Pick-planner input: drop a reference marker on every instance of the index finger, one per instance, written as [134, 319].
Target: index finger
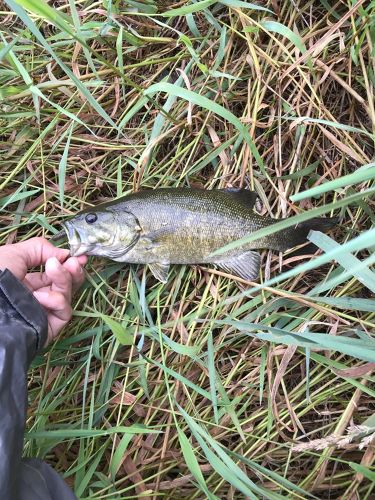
[37, 251]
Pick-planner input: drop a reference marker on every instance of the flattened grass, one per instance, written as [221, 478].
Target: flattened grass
[206, 386]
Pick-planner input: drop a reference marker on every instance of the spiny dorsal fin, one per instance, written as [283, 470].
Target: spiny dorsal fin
[245, 265]
[243, 196]
[160, 271]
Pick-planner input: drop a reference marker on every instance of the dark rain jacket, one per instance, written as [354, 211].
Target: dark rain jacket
[23, 332]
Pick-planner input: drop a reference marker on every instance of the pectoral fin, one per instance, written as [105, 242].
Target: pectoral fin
[160, 271]
[245, 265]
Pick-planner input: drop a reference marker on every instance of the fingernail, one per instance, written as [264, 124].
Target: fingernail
[64, 255]
[77, 264]
[40, 295]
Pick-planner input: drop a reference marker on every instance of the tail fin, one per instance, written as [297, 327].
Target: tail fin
[297, 235]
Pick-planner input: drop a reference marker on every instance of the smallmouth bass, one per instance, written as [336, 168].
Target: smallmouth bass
[182, 226]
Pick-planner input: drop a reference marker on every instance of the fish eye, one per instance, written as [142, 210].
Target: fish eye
[91, 218]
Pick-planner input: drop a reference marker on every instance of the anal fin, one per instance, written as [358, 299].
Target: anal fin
[160, 271]
[245, 265]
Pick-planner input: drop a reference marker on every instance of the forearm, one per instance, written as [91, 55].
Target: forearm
[23, 330]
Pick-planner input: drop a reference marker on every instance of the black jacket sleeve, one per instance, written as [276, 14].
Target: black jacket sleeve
[23, 331]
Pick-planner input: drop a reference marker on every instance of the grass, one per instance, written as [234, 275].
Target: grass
[206, 387]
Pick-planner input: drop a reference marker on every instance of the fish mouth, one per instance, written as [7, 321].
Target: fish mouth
[77, 246]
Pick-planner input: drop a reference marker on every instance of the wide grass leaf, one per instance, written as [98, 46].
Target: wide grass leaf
[180, 378]
[118, 330]
[354, 303]
[18, 195]
[192, 462]
[223, 464]
[348, 261]
[276, 27]
[119, 453]
[270, 474]
[62, 167]
[80, 86]
[358, 348]
[212, 374]
[87, 433]
[365, 471]
[43, 10]
[330, 123]
[189, 9]
[240, 4]
[365, 173]
[212, 106]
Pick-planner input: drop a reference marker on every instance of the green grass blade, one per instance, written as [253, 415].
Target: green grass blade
[361, 175]
[17, 196]
[240, 4]
[181, 378]
[212, 374]
[31, 26]
[222, 462]
[347, 303]
[365, 471]
[267, 473]
[192, 463]
[118, 330]
[189, 9]
[43, 10]
[206, 103]
[357, 348]
[340, 126]
[62, 167]
[346, 259]
[282, 30]
[119, 454]
[79, 433]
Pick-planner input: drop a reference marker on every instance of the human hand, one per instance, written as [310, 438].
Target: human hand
[52, 287]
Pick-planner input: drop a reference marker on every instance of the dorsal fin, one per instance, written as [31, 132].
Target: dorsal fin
[244, 196]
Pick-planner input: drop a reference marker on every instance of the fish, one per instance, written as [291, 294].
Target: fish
[168, 226]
